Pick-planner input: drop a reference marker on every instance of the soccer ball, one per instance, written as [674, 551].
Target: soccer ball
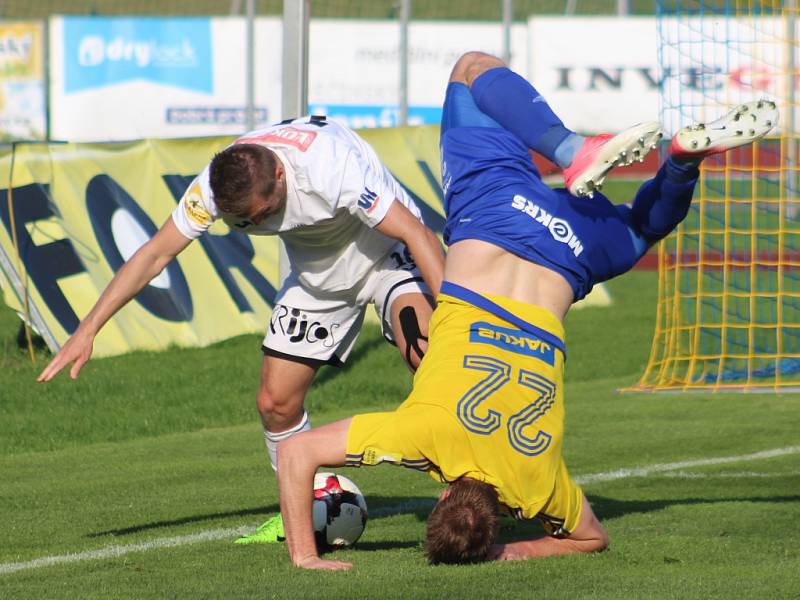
[339, 511]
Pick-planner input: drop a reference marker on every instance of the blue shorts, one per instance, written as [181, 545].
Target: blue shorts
[494, 193]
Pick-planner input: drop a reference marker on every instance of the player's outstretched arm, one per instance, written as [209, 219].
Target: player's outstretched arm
[299, 457]
[400, 224]
[132, 277]
[589, 536]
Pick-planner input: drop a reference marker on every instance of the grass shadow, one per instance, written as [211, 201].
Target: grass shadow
[245, 512]
[421, 506]
[386, 545]
[379, 507]
[610, 508]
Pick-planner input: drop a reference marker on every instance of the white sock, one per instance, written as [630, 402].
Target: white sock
[272, 439]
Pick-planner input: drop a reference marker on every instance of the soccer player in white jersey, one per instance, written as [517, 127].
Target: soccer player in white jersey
[350, 232]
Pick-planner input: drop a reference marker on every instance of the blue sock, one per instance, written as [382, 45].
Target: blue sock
[663, 202]
[518, 107]
[681, 170]
[689, 161]
[567, 149]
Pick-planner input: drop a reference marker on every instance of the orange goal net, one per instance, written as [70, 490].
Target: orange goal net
[728, 314]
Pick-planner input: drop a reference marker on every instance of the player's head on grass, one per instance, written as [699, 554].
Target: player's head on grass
[463, 525]
[248, 181]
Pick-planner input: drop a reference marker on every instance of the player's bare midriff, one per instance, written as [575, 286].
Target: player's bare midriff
[488, 269]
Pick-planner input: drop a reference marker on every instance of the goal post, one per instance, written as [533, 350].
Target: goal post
[728, 312]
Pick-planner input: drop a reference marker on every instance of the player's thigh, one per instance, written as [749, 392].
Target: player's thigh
[297, 343]
[410, 316]
[284, 383]
[404, 305]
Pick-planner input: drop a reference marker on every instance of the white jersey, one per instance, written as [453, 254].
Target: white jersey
[337, 192]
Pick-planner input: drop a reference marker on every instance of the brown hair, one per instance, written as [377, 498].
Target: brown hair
[238, 172]
[463, 525]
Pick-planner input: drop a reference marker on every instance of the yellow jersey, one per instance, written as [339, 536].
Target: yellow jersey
[487, 403]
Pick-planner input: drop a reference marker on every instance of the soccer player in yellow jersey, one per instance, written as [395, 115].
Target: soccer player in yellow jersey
[486, 412]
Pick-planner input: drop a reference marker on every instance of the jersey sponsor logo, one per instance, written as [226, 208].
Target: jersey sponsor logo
[513, 340]
[368, 200]
[296, 327]
[285, 136]
[194, 207]
[560, 229]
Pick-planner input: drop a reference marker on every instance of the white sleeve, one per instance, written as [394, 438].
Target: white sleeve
[194, 213]
[368, 189]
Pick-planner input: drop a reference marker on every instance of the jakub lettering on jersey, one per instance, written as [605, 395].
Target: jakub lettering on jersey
[512, 340]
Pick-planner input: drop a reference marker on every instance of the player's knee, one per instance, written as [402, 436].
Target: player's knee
[471, 64]
[653, 230]
[274, 409]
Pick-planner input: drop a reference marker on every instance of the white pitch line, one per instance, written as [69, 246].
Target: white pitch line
[218, 534]
[116, 551]
[729, 475]
[661, 468]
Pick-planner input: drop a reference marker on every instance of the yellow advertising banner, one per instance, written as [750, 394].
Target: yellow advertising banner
[21, 50]
[71, 214]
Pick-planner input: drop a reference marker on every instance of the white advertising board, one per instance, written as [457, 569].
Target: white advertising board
[132, 78]
[354, 69]
[603, 74]
[599, 74]
[129, 78]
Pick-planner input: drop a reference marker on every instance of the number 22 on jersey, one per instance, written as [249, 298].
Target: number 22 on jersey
[522, 436]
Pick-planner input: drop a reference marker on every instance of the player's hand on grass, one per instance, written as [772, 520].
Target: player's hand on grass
[76, 352]
[315, 562]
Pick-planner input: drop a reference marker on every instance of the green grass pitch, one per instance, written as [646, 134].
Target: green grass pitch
[161, 456]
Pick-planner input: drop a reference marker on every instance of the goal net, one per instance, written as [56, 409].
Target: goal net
[728, 314]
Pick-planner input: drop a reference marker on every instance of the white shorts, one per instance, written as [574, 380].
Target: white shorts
[323, 330]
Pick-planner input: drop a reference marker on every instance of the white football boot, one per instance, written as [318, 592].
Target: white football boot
[743, 125]
[601, 153]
